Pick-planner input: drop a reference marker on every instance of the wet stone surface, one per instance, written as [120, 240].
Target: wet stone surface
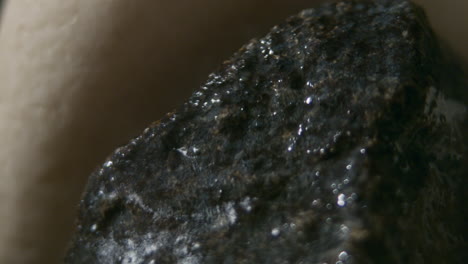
[334, 139]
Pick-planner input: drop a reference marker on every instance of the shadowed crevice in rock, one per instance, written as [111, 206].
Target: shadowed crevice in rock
[333, 138]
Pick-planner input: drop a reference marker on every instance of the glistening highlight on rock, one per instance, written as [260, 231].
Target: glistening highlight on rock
[336, 138]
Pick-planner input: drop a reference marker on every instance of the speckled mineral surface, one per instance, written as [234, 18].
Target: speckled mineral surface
[336, 138]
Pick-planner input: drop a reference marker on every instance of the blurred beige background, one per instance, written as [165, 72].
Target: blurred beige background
[79, 78]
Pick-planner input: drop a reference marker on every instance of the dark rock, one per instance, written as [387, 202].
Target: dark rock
[332, 139]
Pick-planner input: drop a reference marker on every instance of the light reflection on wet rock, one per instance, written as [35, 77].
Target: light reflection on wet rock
[334, 139]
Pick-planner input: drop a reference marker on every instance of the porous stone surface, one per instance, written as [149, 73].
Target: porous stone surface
[333, 139]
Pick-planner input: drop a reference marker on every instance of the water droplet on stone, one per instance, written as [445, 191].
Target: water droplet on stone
[316, 202]
[246, 204]
[196, 246]
[341, 200]
[343, 256]
[275, 232]
[344, 229]
[299, 131]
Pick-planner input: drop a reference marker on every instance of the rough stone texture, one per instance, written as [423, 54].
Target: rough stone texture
[333, 139]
